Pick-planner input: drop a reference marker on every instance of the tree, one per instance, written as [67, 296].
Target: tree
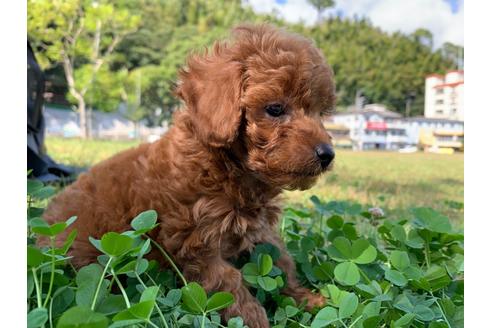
[131, 94]
[386, 66]
[454, 53]
[82, 36]
[321, 6]
[424, 37]
[171, 30]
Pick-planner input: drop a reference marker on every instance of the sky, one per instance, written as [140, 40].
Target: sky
[444, 18]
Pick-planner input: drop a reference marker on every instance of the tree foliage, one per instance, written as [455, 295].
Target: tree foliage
[169, 32]
[386, 67]
[82, 36]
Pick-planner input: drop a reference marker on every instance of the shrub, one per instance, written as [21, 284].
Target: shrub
[374, 272]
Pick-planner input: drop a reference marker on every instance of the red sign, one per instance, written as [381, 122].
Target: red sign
[376, 126]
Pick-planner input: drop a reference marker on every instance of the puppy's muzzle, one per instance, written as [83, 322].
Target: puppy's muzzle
[325, 154]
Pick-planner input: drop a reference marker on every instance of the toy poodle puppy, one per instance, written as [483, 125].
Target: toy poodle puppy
[251, 127]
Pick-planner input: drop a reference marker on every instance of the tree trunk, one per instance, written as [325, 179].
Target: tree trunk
[135, 130]
[67, 66]
[84, 133]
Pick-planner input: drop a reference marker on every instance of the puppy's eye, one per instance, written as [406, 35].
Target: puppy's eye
[275, 110]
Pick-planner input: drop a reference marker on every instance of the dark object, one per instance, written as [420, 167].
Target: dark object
[42, 166]
[325, 154]
[275, 110]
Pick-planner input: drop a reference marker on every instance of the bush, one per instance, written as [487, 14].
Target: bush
[374, 272]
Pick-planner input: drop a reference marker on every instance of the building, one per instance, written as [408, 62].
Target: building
[444, 96]
[375, 127]
[432, 133]
[340, 134]
[65, 123]
[442, 141]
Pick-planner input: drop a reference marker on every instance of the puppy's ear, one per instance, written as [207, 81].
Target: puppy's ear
[211, 88]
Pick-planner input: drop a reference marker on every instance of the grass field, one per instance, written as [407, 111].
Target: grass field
[395, 181]
[389, 180]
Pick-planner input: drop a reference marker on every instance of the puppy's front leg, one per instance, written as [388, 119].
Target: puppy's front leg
[216, 274]
[293, 288]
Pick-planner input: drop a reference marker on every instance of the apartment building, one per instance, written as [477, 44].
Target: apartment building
[444, 96]
[373, 127]
[376, 127]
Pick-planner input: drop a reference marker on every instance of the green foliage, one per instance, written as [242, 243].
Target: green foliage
[374, 272]
[104, 89]
[387, 68]
[79, 316]
[81, 36]
[260, 272]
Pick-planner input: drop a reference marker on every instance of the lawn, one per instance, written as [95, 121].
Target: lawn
[393, 180]
[84, 153]
[385, 179]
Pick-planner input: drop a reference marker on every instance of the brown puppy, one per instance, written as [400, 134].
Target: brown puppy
[251, 127]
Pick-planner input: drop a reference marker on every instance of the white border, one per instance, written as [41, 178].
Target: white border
[478, 163]
[13, 68]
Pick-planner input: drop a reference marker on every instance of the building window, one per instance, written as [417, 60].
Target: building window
[439, 111]
[399, 133]
[454, 110]
[439, 91]
[444, 138]
[439, 101]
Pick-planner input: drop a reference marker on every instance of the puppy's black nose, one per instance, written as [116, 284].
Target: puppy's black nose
[325, 154]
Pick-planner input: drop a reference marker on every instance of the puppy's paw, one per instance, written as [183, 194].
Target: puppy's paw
[314, 301]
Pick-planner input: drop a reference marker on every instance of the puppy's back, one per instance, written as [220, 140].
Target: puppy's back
[101, 200]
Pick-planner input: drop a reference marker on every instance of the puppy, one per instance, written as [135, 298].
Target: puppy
[250, 128]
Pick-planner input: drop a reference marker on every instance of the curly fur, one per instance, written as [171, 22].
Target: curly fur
[215, 176]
